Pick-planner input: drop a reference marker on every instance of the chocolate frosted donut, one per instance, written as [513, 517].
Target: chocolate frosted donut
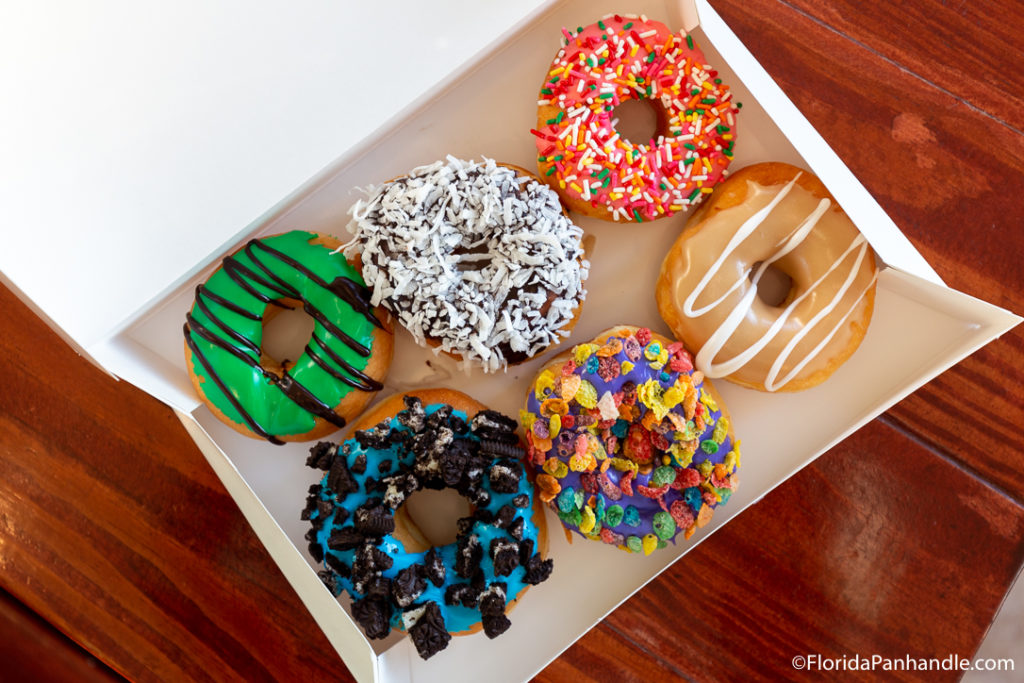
[477, 259]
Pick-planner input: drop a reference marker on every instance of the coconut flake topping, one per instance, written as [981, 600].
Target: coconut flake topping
[474, 257]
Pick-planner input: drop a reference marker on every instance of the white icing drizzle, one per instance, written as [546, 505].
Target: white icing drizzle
[466, 254]
[718, 339]
[745, 231]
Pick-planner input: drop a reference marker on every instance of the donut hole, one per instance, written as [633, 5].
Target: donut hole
[436, 514]
[285, 334]
[637, 120]
[774, 286]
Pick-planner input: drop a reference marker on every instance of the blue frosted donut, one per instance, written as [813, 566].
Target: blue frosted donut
[370, 553]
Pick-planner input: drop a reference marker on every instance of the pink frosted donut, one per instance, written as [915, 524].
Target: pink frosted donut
[585, 159]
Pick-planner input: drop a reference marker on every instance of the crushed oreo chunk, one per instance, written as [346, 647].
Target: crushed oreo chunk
[397, 487]
[407, 586]
[338, 566]
[374, 438]
[359, 464]
[492, 603]
[525, 551]
[344, 538]
[465, 524]
[506, 515]
[413, 417]
[515, 529]
[505, 475]
[373, 614]
[316, 550]
[330, 580]
[439, 418]
[401, 438]
[484, 515]
[321, 456]
[480, 497]
[430, 444]
[458, 425]
[373, 519]
[538, 570]
[433, 567]
[494, 626]
[377, 586]
[491, 425]
[463, 594]
[324, 509]
[505, 556]
[429, 634]
[369, 555]
[454, 461]
[502, 449]
[340, 479]
[311, 500]
[468, 556]
[521, 501]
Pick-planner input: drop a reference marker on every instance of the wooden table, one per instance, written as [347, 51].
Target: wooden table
[902, 540]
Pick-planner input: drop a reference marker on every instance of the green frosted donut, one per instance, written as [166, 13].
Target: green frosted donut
[341, 366]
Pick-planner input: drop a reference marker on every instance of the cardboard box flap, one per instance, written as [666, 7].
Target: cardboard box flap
[345, 635]
[889, 243]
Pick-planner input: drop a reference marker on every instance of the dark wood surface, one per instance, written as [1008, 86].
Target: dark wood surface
[901, 540]
[32, 650]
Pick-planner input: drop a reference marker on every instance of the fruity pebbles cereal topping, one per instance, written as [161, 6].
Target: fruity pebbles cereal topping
[630, 446]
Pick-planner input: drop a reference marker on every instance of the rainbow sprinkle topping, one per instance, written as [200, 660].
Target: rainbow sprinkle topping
[626, 57]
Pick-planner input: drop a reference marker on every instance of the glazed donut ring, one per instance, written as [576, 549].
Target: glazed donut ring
[586, 160]
[370, 549]
[341, 367]
[476, 259]
[631, 446]
[769, 214]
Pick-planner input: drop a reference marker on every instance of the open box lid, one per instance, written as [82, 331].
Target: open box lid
[128, 123]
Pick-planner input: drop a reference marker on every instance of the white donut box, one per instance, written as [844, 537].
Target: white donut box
[263, 122]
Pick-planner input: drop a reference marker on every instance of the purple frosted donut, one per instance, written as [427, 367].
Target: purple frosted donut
[631, 445]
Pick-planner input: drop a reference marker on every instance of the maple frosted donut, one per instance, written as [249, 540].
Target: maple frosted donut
[340, 369]
[434, 439]
[586, 160]
[476, 259]
[632, 446]
[769, 216]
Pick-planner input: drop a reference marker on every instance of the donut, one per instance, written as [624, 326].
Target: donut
[594, 169]
[376, 554]
[630, 444]
[777, 216]
[478, 260]
[341, 367]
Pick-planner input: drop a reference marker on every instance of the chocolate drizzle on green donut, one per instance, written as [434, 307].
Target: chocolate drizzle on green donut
[266, 276]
